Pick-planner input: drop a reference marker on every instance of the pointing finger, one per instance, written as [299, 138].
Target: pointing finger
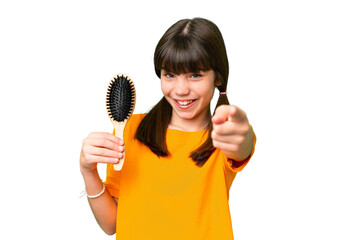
[237, 115]
[228, 113]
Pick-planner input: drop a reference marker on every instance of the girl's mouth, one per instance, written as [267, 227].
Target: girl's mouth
[184, 104]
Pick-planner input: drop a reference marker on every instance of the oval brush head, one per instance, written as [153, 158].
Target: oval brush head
[120, 104]
[120, 98]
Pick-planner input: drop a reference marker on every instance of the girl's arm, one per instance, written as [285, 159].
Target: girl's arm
[100, 148]
[232, 132]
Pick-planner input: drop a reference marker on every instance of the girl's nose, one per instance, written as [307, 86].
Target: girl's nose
[182, 86]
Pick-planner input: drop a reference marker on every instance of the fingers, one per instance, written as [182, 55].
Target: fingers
[100, 148]
[225, 146]
[103, 143]
[221, 115]
[94, 159]
[228, 113]
[103, 152]
[236, 138]
[228, 138]
[105, 135]
[230, 127]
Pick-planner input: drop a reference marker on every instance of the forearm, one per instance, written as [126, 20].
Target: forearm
[104, 207]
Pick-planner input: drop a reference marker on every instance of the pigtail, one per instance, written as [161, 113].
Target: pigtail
[202, 154]
[223, 99]
[152, 128]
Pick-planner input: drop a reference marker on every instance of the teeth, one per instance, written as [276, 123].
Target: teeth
[184, 103]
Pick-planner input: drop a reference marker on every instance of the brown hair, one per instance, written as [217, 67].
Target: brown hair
[190, 45]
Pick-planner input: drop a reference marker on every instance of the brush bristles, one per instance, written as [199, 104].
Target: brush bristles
[120, 98]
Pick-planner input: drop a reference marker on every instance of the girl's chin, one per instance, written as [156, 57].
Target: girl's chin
[189, 115]
[185, 116]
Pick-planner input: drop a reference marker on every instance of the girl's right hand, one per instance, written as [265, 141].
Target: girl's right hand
[100, 147]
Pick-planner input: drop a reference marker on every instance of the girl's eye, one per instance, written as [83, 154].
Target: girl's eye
[169, 75]
[196, 75]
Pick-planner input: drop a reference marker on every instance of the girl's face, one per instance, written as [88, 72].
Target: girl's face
[189, 95]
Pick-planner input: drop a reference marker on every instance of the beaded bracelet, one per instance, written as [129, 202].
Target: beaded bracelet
[93, 196]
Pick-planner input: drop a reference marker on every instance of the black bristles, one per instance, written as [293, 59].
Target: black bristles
[120, 99]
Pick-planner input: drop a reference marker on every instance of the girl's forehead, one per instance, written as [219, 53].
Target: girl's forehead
[185, 72]
[179, 66]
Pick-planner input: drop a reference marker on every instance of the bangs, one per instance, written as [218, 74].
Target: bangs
[183, 56]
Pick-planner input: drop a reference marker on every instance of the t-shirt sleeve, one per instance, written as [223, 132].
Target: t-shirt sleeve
[237, 166]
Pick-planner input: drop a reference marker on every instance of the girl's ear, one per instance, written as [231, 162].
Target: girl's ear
[217, 82]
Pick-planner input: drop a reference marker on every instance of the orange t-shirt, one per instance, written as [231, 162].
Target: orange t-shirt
[171, 197]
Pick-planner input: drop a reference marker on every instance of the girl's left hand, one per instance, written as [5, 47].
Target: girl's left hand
[232, 132]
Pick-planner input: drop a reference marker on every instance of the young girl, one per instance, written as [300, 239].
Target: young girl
[180, 162]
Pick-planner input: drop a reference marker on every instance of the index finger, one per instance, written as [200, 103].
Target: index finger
[237, 115]
[108, 136]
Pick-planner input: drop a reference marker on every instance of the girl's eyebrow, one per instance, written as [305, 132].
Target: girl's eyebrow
[164, 70]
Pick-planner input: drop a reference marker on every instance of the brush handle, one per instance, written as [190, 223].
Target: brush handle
[119, 132]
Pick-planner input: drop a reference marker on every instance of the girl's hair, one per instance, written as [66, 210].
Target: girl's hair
[190, 45]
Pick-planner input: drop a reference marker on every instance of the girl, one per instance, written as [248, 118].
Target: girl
[180, 162]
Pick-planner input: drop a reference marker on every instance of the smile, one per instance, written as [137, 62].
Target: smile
[184, 104]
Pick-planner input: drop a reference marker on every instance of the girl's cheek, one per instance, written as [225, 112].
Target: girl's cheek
[163, 86]
[166, 86]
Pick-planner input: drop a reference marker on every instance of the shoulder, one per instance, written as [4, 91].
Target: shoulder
[136, 118]
[134, 122]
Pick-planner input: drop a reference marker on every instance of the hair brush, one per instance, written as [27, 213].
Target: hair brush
[120, 104]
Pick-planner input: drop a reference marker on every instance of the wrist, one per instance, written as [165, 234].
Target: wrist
[93, 182]
[89, 173]
[93, 196]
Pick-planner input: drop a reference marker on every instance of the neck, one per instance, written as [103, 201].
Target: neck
[198, 123]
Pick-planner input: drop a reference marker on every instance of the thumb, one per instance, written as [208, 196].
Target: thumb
[221, 115]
